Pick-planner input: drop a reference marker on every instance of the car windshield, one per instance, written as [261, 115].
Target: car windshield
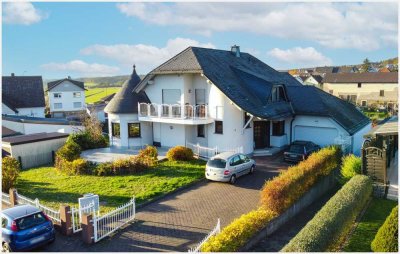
[296, 149]
[217, 163]
[31, 221]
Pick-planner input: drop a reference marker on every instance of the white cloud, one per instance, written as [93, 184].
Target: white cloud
[22, 13]
[82, 68]
[146, 57]
[365, 26]
[304, 57]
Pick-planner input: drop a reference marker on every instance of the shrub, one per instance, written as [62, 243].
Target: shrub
[386, 240]
[10, 171]
[79, 167]
[87, 141]
[149, 151]
[284, 190]
[236, 234]
[351, 166]
[180, 153]
[70, 151]
[334, 219]
[123, 166]
[104, 169]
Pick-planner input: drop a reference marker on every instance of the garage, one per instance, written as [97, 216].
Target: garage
[321, 136]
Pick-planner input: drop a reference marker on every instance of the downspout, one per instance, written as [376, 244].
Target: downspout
[291, 127]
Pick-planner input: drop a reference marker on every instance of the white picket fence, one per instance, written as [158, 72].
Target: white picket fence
[53, 214]
[76, 214]
[208, 152]
[5, 198]
[110, 222]
[215, 231]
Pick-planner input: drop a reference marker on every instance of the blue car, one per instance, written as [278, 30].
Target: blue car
[25, 227]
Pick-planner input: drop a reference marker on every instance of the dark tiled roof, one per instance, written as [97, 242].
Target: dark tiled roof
[31, 138]
[347, 69]
[38, 120]
[23, 91]
[107, 98]
[10, 104]
[366, 77]
[6, 132]
[125, 100]
[318, 78]
[326, 69]
[53, 84]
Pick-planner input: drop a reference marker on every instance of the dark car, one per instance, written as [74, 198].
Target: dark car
[24, 228]
[300, 150]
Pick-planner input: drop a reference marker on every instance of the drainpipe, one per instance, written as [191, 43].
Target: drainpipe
[291, 127]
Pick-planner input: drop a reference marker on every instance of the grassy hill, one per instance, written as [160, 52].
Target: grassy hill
[94, 95]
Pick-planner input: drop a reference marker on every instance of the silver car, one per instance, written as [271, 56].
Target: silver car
[228, 166]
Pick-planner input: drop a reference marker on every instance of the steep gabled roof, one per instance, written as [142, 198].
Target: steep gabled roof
[125, 101]
[55, 83]
[22, 91]
[318, 78]
[365, 77]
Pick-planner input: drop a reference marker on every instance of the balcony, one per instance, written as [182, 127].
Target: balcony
[176, 113]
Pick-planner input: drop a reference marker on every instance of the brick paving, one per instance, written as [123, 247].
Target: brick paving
[179, 221]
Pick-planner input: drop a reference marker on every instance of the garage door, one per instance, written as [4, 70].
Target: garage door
[319, 135]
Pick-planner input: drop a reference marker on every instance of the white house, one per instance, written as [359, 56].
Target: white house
[66, 97]
[365, 89]
[22, 95]
[314, 80]
[229, 100]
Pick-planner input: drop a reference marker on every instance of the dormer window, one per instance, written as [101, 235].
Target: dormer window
[278, 94]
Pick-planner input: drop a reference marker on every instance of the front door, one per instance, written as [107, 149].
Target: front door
[261, 134]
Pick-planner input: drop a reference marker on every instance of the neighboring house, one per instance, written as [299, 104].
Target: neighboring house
[66, 97]
[229, 99]
[384, 69]
[314, 80]
[6, 132]
[23, 95]
[364, 89]
[97, 109]
[347, 69]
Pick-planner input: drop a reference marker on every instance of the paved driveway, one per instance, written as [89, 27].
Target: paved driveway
[180, 221]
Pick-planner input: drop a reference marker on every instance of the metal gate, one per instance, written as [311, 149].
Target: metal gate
[374, 164]
[76, 216]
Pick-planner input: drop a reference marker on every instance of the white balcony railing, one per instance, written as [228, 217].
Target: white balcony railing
[174, 111]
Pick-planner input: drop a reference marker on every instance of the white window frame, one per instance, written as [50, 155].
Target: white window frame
[58, 103]
[57, 95]
[77, 94]
[80, 103]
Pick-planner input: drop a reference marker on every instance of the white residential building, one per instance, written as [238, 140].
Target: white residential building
[228, 100]
[66, 97]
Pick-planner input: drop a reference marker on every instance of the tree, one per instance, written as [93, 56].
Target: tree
[9, 173]
[365, 66]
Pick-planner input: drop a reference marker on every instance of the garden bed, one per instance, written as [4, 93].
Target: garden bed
[53, 188]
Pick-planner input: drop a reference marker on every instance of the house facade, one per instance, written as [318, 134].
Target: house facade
[314, 80]
[66, 97]
[229, 100]
[365, 89]
[23, 96]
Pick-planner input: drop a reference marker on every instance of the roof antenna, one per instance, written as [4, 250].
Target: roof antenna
[134, 67]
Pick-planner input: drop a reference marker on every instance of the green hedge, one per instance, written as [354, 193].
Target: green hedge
[180, 153]
[386, 240]
[334, 220]
[284, 190]
[351, 166]
[9, 173]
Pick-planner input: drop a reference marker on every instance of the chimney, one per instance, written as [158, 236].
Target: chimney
[235, 50]
[12, 74]
[69, 77]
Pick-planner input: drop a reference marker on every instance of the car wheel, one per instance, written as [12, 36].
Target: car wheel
[233, 179]
[6, 247]
[251, 170]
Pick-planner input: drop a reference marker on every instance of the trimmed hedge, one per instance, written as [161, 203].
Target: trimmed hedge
[87, 141]
[351, 166]
[236, 234]
[180, 153]
[9, 173]
[284, 190]
[334, 219]
[386, 240]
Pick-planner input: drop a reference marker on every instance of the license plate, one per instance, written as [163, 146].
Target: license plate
[37, 239]
[293, 156]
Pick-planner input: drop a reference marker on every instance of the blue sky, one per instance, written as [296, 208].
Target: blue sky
[104, 39]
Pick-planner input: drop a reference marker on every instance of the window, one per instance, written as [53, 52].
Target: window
[77, 95]
[115, 128]
[200, 131]
[30, 221]
[244, 158]
[246, 118]
[278, 94]
[364, 103]
[219, 128]
[4, 222]
[278, 128]
[57, 105]
[331, 91]
[134, 130]
[382, 93]
[77, 104]
[200, 96]
[235, 161]
[171, 96]
[57, 95]
[359, 85]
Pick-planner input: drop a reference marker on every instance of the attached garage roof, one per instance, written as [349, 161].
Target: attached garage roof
[32, 138]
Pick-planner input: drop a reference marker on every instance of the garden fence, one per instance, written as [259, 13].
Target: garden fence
[208, 152]
[76, 216]
[213, 232]
[5, 198]
[53, 214]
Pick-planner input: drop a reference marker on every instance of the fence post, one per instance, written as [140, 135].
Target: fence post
[36, 202]
[87, 228]
[66, 220]
[13, 197]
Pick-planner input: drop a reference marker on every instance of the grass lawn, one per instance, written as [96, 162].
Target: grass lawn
[95, 94]
[372, 220]
[53, 188]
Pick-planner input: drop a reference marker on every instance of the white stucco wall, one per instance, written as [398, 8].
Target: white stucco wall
[35, 112]
[358, 139]
[30, 128]
[67, 99]
[6, 110]
[124, 141]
